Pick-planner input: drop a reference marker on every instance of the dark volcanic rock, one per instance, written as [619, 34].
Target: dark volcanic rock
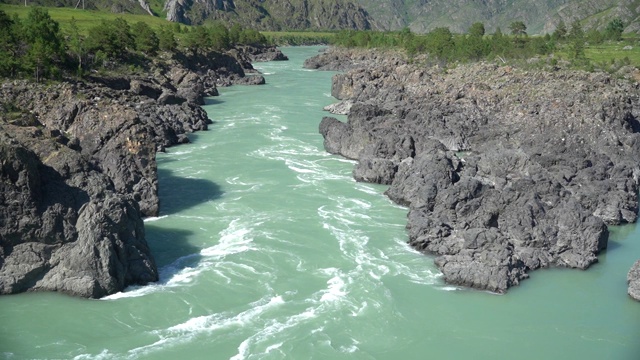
[634, 281]
[263, 53]
[87, 249]
[78, 172]
[503, 171]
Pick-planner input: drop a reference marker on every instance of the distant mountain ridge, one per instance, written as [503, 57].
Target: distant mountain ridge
[540, 16]
[272, 15]
[258, 14]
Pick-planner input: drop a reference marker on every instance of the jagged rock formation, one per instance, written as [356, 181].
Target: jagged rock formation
[195, 11]
[504, 171]
[78, 171]
[272, 15]
[145, 6]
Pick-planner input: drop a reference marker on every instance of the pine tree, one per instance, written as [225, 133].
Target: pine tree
[576, 35]
[561, 31]
[76, 43]
[614, 30]
[42, 36]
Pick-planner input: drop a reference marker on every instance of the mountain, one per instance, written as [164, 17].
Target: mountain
[540, 16]
[257, 14]
[272, 15]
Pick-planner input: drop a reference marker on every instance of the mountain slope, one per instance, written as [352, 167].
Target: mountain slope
[258, 14]
[272, 15]
[540, 16]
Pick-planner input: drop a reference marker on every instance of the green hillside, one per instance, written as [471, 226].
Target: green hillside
[84, 18]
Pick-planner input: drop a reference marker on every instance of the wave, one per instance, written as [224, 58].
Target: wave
[236, 238]
[155, 218]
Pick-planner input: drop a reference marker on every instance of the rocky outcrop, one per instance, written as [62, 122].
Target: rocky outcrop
[262, 53]
[145, 6]
[504, 171]
[633, 278]
[78, 171]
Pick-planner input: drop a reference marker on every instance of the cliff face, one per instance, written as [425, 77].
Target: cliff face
[78, 171]
[504, 171]
[272, 15]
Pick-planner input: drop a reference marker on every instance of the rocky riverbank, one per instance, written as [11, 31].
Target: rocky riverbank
[78, 168]
[503, 170]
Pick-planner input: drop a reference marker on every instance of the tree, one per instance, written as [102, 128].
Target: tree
[499, 43]
[197, 39]
[576, 35]
[251, 37]
[145, 38]
[614, 30]
[519, 31]
[439, 42]
[476, 30]
[219, 37]
[594, 37]
[76, 43]
[234, 33]
[166, 39]
[113, 38]
[8, 45]
[473, 47]
[560, 32]
[518, 28]
[42, 36]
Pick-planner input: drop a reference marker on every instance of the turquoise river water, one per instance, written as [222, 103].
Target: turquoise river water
[268, 249]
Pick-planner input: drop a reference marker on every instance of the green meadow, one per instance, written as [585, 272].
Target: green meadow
[84, 18]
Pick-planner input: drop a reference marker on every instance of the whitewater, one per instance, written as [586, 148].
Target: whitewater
[268, 249]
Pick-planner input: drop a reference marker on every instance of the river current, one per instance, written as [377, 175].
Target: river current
[268, 249]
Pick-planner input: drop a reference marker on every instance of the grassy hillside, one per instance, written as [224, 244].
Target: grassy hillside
[84, 18]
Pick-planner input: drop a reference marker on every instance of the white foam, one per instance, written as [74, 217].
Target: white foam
[209, 323]
[449, 288]
[335, 290]
[273, 347]
[233, 240]
[300, 170]
[180, 152]
[104, 354]
[155, 218]
[270, 332]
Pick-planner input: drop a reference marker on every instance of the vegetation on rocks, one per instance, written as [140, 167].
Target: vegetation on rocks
[574, 46]
[78, 155]
[36, 47]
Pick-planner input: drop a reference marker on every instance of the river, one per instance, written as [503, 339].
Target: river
[268, 249]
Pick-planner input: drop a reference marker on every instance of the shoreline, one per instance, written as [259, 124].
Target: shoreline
[547, 162]
[79, 170]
